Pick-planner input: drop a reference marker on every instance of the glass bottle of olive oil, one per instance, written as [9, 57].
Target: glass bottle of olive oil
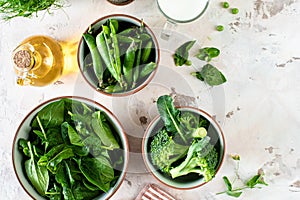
[38, 61]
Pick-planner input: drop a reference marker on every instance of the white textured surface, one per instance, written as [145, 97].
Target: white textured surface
[260, 57]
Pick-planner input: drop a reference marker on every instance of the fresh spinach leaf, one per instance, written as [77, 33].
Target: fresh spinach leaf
[103, 130]
[54, 137]
[64, 154]
[51, 115]
[64, 177]
[170, 115]
[98, 171]
[211, 75]
[43, 161]
[94, 144]
[38, 175]
[182, 53]
[23, 145]
[82, 192]
[74, 138]
[82, 123]
[208, 53]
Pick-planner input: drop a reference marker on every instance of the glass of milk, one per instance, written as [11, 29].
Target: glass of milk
[180, 11]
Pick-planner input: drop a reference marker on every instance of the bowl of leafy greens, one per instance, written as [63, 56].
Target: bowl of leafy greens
[183, 147]
[70, 148]
[118, 55]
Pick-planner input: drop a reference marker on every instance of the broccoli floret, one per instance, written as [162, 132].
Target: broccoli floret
[202, 158]
[193, 125]
[165, 151]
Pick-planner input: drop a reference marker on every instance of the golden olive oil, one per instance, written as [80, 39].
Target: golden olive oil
[38, 61]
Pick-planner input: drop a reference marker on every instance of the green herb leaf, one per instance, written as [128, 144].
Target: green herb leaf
[208, 53]
[182, 53]
[211, 75]
[255, 180]
[234, 194]
[21, 8]
[227, 183]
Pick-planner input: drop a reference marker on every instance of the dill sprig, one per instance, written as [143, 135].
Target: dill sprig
[26, 8]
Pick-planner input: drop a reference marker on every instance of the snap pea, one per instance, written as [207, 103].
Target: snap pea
[113, 89]
[116, 54]
[146, 52]
[115, 24]
[147, 69]
[126, 39]
[104, 50]
[144, 36]
[127, 32]
[129, 59]
[136, 71]
[96, 58]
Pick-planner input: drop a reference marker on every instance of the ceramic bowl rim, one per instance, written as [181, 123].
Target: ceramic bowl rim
[93, 103]
[156, 120]
[149, 78]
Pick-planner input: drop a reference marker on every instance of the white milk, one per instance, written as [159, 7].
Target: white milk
[182, 10]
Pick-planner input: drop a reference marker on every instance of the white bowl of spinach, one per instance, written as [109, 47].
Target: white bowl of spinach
[70, 148]
[183, 147]
[118, 55]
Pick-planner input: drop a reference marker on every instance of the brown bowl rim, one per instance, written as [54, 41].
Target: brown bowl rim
[145, 153]
[121, 4]
[107, 111]
[150, 77]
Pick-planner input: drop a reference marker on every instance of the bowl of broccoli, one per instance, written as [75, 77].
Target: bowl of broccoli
[183, 147]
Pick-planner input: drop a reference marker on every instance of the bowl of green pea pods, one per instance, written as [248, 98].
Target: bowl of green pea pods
[118, 55]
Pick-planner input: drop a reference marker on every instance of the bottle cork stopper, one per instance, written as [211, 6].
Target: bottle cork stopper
[22, 59]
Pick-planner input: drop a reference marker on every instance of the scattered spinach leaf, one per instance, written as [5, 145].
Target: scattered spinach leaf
[208, 53]
[182, 53]
[210, 74]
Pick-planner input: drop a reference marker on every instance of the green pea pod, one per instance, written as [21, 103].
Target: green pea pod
[127, 39]
[115, 24]
[136, 70]
[104, 50]
[96, 58]
[113, 89]
[147, 69]
[146, 52]
[144, 36]
[129, 59]
[127, 32]
[116, 50]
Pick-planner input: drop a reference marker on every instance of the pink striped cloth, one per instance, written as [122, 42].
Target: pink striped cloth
[153, 192]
